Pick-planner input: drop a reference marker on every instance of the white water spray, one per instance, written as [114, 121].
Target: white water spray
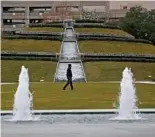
[23, 98]
[127, 99]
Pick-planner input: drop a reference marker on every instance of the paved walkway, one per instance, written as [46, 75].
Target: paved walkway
[78, 130]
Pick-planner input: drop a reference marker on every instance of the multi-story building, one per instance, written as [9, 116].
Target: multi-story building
[18, 14]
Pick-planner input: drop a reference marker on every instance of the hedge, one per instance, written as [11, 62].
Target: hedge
[33, 37]
[117, 55]
[5, 55]
[28, 58]
[95, 25]
[4, 33]
[53, 22]
[38, 33]
[85, 57]
[119, 59]
[104, 35]
[115, 39]
[13, 53]
[46, 25]
[88, 21]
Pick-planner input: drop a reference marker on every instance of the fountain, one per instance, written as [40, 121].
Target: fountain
[127, 99]
[22, 98]
[76, 70]
[63, 123]
[69, 55]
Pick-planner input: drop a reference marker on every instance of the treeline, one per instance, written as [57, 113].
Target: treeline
[140, 23]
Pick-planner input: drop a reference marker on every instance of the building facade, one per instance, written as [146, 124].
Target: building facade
[18, 14]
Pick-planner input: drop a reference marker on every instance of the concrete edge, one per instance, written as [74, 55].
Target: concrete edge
[136, 82]
[79, 111]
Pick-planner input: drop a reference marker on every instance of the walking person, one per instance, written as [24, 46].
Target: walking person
[69, 77]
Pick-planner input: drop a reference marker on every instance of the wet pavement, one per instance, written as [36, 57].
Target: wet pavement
[80, 126]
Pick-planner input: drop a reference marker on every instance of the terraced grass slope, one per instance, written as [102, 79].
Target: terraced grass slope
[85, 96]
[30, 45]
[38, 70]
[95, 71]
[112, 71]
[44, 29]
[102, 31]
[92, 46]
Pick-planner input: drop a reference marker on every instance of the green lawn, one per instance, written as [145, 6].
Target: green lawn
[85, 96]
[112, 71]
[95, 71]
[44, 29]
[37, 70]
[102, 31]
[92, 46]
[30, 45]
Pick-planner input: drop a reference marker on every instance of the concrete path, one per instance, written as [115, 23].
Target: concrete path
[78, 130]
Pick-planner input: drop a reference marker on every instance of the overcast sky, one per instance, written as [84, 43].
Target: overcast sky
[116, 5]
[145, 4]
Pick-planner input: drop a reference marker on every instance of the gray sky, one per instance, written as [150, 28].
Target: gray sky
[116, 5]
[145, 4]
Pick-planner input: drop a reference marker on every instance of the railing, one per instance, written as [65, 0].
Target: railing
[13, 15]
[12, 27]
[36, 15]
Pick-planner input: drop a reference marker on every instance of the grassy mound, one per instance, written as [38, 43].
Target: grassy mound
[85, 96]
[44, 29]
[92, 46]
[102, 31]
[38, 70]
[95, 71]
[30, 45]
[112, 71]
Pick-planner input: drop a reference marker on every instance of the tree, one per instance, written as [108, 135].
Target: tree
[139, 22]
[148, 25]
[133, 19]
[152, 38]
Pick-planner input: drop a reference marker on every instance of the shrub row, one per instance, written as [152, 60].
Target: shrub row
[119, 59]
[5, 55]
[88, 21]
[115, 39]
[60, 25]
[115, 55]
[54, 22]
[95, 25]
[85, 57]
[4, 33]
[33, 37]
[28, 58]
[38, 33]
[91, 55]
[104, 35]
[30, 54]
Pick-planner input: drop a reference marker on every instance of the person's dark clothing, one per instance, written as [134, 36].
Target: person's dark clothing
[69, 79]
[69, 73]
